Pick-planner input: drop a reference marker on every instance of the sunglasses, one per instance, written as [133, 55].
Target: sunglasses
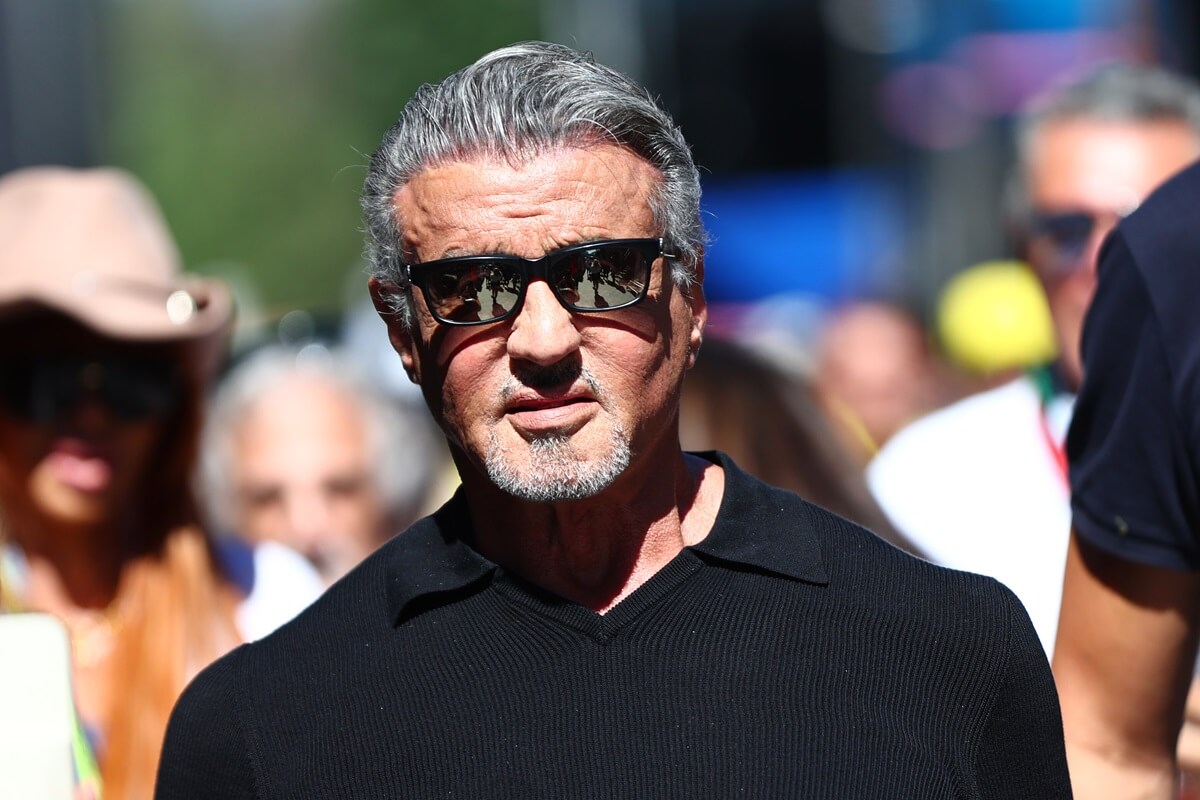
[47, 389]
[597, 276]
[1063, 237]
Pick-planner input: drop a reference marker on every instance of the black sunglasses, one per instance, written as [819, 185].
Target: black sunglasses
[596, 276]
[1067, 234]
[46, 389]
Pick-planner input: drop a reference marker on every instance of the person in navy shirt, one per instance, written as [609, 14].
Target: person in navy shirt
[1130, 617]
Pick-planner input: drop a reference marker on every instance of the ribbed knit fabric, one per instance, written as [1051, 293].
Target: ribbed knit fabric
[791, 654]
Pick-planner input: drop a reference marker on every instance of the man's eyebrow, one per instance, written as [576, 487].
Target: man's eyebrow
[462, 252]
[499, 252]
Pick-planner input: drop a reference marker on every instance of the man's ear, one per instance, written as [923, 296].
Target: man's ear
[384, 297]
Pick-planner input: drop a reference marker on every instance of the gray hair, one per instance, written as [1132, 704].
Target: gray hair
[1131, 93]
[402, 446]
[513, 104]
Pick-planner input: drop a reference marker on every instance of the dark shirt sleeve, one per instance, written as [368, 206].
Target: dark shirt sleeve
[1021, 752]
[205, 753]
[1133, 481]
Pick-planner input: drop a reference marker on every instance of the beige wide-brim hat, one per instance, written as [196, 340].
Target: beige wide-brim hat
[92, 244]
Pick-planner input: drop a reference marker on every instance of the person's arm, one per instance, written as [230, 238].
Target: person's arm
[1123, 663]
[1188, 751]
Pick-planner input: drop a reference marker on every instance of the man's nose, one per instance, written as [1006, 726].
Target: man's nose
[308, 516]
[544, 331]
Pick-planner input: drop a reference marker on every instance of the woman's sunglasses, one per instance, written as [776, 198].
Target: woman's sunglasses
[49, 388]
[597, 276]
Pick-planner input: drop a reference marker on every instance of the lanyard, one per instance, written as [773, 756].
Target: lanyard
[1057, 451]
[1050, 387]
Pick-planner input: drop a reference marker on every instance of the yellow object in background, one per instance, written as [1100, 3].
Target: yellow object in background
[993, 317]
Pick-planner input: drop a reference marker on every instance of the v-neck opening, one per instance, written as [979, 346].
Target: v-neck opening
[601, 627]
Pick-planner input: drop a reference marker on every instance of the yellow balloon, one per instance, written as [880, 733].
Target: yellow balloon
[993, 317]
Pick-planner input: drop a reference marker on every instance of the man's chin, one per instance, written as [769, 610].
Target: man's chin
[552, 470]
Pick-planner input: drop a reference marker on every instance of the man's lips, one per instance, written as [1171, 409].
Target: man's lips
[540, 412]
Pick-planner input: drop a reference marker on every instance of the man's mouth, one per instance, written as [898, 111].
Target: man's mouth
[539, 413]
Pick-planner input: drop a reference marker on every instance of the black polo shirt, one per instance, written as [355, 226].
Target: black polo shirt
[1134, 442]
[789, 654]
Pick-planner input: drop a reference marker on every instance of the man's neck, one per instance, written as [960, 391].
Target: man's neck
[597, 551]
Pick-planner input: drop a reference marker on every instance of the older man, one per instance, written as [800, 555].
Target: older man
[301, 448]
[597, 613]
[1131, 597]
[982, 484]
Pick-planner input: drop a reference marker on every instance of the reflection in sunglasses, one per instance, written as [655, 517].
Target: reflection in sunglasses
[617, 270]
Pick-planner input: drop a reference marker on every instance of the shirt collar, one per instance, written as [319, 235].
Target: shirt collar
[757, 526]
[763, 527]
[431, 562]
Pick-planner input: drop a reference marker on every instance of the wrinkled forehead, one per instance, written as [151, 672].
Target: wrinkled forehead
[559, 196]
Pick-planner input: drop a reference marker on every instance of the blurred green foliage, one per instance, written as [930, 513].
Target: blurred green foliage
[253, 122]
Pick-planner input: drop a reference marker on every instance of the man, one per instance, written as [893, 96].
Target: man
[597, 613]
[1131, 597]
[301, 448]
[981, 485]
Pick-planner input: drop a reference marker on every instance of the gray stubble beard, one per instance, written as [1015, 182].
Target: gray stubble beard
[555, 473]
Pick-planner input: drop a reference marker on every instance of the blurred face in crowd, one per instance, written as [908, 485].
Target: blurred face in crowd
[302, 472]
[1083, 176]
[552, 404]
[873, 365]
[80, 418]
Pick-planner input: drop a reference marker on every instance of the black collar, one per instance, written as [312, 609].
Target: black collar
[757, 526]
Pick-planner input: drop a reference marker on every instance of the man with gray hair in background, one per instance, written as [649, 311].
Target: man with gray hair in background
[597, 613]
[301, 447]
[981, 485]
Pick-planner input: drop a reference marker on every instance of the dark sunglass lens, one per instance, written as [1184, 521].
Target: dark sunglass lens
[475, 292]
[606, 276]
[132, 390]
[46, 390]
[1068, 232]
[32, 390]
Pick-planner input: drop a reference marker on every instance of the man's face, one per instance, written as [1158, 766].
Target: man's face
[551, 404]
[1102, 169]
[301, 468]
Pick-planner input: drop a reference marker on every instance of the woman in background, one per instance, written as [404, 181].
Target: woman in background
[105, 355]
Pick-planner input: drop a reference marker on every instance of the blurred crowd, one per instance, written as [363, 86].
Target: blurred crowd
[166, 496]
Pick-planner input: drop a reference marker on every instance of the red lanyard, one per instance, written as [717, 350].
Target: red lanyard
[1057, 451]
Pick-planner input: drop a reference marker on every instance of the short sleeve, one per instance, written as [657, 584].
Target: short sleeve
[1133, 477]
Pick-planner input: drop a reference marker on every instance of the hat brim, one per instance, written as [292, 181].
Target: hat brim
[197, 314]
